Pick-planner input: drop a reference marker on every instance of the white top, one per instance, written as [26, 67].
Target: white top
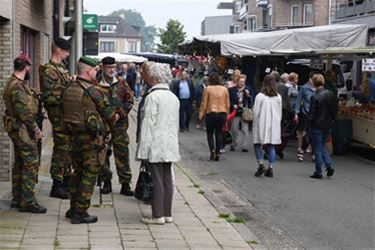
[158, 140]
[267, 113]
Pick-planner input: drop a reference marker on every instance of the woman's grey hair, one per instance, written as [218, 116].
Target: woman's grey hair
[161, 72]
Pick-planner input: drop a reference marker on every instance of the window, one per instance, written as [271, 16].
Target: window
[29, 47]
[133, 47]
[108, 28]
[251, 23]
[107, 46]
[307, 14]
[295, 18]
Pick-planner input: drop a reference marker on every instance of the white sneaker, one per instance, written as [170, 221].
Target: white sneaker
[168, 219]
[222, 151]
[155, 221]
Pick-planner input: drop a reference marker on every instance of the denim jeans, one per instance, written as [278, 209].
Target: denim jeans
[137, 90]
[271, 153]
[319, 138]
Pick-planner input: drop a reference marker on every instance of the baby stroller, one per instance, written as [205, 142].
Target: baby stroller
[287, 133]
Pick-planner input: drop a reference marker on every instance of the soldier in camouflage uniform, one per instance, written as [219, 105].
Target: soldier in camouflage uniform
[21, 104]
[54, 78]
[121, 97]
[88, 118]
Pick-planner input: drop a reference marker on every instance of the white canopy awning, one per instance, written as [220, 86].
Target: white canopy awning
[288, 41]
[122, 57]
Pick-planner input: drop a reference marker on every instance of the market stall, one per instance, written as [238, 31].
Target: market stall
[362, 117]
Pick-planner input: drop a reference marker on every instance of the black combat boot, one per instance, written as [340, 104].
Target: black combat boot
[35, 209]
[58, 190]
[70, 213]
[79, 218]
[107, 187]
[126, 189]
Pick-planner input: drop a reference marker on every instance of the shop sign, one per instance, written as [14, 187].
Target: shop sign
[90, 22]
[368, 64]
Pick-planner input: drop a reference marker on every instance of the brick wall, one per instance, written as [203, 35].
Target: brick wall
[321, 9]
[37, 16]
[5, 71]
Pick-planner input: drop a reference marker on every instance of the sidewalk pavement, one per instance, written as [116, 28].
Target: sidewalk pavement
[197, 224]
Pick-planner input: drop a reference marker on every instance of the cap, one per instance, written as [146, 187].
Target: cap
[108, 60]
[88, 60]
[62, 43]
[25, 58]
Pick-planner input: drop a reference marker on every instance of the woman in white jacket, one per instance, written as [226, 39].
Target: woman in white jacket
[158, 141]
[267, 114]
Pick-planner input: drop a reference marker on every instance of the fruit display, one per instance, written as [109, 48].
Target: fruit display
[355, 109]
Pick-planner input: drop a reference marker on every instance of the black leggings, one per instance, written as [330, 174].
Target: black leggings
[215, 124]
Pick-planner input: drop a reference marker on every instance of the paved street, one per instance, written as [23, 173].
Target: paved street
[197, 223]
[292, 210]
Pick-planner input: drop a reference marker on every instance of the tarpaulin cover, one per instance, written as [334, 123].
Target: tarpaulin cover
[287, 41]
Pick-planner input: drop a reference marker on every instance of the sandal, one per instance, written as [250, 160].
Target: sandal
[300, 155]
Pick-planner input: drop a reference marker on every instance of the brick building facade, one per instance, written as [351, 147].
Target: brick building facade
[26, 27]
[255, 15]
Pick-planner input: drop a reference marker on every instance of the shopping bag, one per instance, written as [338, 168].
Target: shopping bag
[144, 187]
[247, 114]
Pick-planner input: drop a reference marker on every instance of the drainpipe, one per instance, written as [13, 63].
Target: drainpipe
[78, 29]
[14, 23]
[329, 11]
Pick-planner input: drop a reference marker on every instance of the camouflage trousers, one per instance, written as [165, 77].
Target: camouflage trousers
[25, 168]
[87, 163]
[61, 164]
[120, 144]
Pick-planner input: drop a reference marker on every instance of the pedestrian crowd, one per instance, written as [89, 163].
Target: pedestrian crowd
[89, 116]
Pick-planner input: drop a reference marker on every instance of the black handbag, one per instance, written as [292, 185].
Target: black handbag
[144, 187]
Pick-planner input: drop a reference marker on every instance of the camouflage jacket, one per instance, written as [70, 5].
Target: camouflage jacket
[119, 94]
[54, 78]
[101, 100]
[21, 104]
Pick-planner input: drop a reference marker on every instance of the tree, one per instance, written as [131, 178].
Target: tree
[134, 18]
[171, 37]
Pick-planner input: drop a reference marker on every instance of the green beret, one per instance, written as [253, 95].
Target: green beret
[88, 60]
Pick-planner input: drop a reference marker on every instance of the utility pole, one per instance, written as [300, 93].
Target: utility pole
[78, 29]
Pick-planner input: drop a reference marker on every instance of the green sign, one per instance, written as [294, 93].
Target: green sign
[90, 22]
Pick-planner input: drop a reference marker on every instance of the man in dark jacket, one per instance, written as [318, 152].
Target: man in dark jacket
[131, 76]
[282, 90]
[185, 92]
[322, 113]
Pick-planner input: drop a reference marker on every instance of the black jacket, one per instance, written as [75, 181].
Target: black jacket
[176, 89]
[234, 100]
[323, 110]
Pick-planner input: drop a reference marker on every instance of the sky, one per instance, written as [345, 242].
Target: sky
[155, 12]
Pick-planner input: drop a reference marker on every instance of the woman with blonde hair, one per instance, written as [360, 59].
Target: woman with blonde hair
[267, 114]
[321, 116]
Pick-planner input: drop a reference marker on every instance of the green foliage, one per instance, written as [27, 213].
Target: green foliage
[235, 220]
[171, 37]
[200, 192]
[224, 215]
[135, 18]
[56, 243]
[252, 242]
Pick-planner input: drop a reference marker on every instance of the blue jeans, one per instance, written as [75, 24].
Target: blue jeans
[137, 90]
[260, 154]
[319, 138]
